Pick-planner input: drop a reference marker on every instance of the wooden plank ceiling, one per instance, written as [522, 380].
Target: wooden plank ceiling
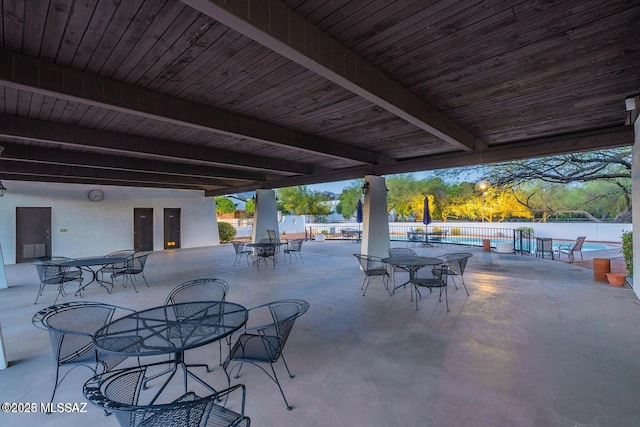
[230, 96]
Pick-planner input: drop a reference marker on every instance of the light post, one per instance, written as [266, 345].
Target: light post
[483, 187]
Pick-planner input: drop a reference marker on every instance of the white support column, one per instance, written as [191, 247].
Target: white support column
[375, 224]
[3, 355]
[635, 202]
[3, 272]
[265, 216]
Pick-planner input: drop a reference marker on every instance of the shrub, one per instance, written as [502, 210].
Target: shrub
[226, 232]
[455, 231]
[627, 251]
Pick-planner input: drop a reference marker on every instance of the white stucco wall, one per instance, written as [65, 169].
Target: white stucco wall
[99, 228]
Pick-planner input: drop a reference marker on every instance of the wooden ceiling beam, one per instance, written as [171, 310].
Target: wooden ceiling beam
[33, 75]
[13, 168]
[41, 156]
[118, 143]
[43, 177]
[274, 25]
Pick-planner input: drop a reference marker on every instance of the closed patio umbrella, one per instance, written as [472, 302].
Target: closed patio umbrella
[426, 218]
[359, 215]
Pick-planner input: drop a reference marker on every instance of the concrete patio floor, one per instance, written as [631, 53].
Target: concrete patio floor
[538, 343]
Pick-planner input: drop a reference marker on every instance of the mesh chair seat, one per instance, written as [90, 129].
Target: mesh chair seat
[265, 343]
[256, 348]
[122, 392]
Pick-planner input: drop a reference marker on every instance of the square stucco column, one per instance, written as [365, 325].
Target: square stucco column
[375, 224]
[265, 216]
[635, 202]
[3, 272]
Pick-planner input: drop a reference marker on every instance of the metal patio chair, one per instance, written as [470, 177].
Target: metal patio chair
[51, 272]
[265, 252]
[241, 251]
[206, 289]
[456, 264]
[71, 327]
[435, 278]
[294, 248]
[111, 270]
[274, 238]
[571, 249]
[399, 252]
[264, 343]
[372, 267]
[134, 266]
[122, 392]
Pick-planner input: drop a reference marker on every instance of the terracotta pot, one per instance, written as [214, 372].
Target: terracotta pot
[616, 279]
[601, 266]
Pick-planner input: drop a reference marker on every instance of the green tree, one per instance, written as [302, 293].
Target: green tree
[600, 181]
[348, 199]
[250, 206]
[405, 196]
[224, 205]
[302, 201]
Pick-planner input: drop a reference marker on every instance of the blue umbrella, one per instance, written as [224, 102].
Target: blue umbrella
[359, 215]
[426, 218]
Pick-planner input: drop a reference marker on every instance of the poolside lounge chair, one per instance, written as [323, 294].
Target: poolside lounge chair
[571, 249]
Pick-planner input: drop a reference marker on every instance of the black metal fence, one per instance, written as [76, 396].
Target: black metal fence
[521, 240]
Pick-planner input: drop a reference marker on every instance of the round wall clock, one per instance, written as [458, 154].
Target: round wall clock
[96, 195]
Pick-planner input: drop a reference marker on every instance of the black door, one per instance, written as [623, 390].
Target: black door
[33, 233]
[143, 229]
[171, 228]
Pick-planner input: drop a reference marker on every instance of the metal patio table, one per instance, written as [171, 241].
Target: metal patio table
[171, 329]
[94, 266]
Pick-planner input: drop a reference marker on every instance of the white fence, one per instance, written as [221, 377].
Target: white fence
[595, 232]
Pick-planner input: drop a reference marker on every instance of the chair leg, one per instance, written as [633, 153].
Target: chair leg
[39, 293]
[275, 379]
[363, 288]
[55, 387]
[446, 296]
[145, 279]
[463, 284]
[126, 279]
